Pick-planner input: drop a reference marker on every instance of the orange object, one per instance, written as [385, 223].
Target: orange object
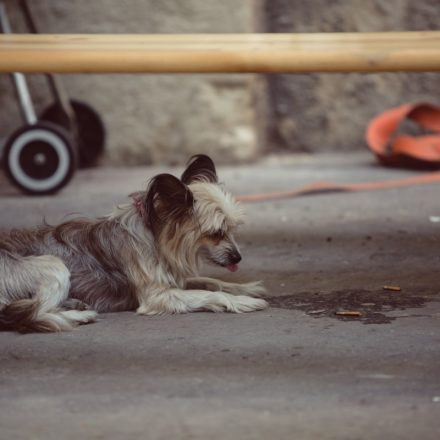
[391, 147]
[348, 313]
[400, 149]
[330, 187]
[392, 288]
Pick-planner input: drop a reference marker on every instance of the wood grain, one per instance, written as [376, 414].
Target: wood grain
[244, 53]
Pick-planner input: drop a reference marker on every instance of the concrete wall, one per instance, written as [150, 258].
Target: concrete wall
[166, 118]
[161, 118]
[325, 112]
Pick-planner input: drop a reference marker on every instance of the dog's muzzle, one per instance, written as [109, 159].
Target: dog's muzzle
[234, 258]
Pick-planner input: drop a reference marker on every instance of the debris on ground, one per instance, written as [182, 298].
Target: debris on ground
[393, 288]
[372, 304]
[348, 313]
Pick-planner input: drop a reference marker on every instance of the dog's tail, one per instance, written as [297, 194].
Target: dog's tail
[23, 316]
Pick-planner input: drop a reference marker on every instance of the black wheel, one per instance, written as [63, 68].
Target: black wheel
[89, 130]
[40, 158]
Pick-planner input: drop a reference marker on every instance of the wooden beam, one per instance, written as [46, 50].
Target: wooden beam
[198, 53]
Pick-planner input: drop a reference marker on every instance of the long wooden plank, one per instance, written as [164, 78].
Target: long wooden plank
[245, 53]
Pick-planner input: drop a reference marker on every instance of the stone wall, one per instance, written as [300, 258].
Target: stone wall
[151, 118]
[166, 118]
[325, 112]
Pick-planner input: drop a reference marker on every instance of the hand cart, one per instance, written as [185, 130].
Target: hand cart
[41, 156]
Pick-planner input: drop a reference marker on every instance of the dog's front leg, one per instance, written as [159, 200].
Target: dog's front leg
[255, 288]
[174, 300]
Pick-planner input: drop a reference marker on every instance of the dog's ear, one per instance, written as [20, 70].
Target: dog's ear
[200, 168]
[168, 199]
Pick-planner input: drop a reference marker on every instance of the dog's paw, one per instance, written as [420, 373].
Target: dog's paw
[87, 316]
[254, 288]
[243, 304]
[78, 317]
[75, 304]
[150, 311]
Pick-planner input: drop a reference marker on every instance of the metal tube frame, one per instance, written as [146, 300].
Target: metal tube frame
[20, 83]
[56, 88]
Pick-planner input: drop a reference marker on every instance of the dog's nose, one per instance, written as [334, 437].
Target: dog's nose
[234, 257]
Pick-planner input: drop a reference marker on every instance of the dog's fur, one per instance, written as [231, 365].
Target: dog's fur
[144, 257]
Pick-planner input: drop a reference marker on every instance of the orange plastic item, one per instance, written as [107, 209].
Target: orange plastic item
[397, 149]
[391, 147]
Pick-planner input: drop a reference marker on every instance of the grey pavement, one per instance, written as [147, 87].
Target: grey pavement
[295, 371]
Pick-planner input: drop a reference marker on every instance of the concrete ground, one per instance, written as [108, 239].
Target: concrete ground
[294, 371]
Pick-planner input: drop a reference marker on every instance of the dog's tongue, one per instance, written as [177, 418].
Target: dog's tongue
[233, 267]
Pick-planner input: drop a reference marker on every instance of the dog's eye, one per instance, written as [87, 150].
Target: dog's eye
[218, 236]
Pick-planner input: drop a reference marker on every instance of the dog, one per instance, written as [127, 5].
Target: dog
[144, 256]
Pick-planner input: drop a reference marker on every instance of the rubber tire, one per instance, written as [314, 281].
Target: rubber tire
[90, 130]
[55, 148]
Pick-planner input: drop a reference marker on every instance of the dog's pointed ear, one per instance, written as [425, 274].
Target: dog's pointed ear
[168, 199]
[200, 168]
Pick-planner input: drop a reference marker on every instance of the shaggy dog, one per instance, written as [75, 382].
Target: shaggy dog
[144, 256]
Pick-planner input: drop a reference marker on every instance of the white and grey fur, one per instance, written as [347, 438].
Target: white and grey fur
[144, 256]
